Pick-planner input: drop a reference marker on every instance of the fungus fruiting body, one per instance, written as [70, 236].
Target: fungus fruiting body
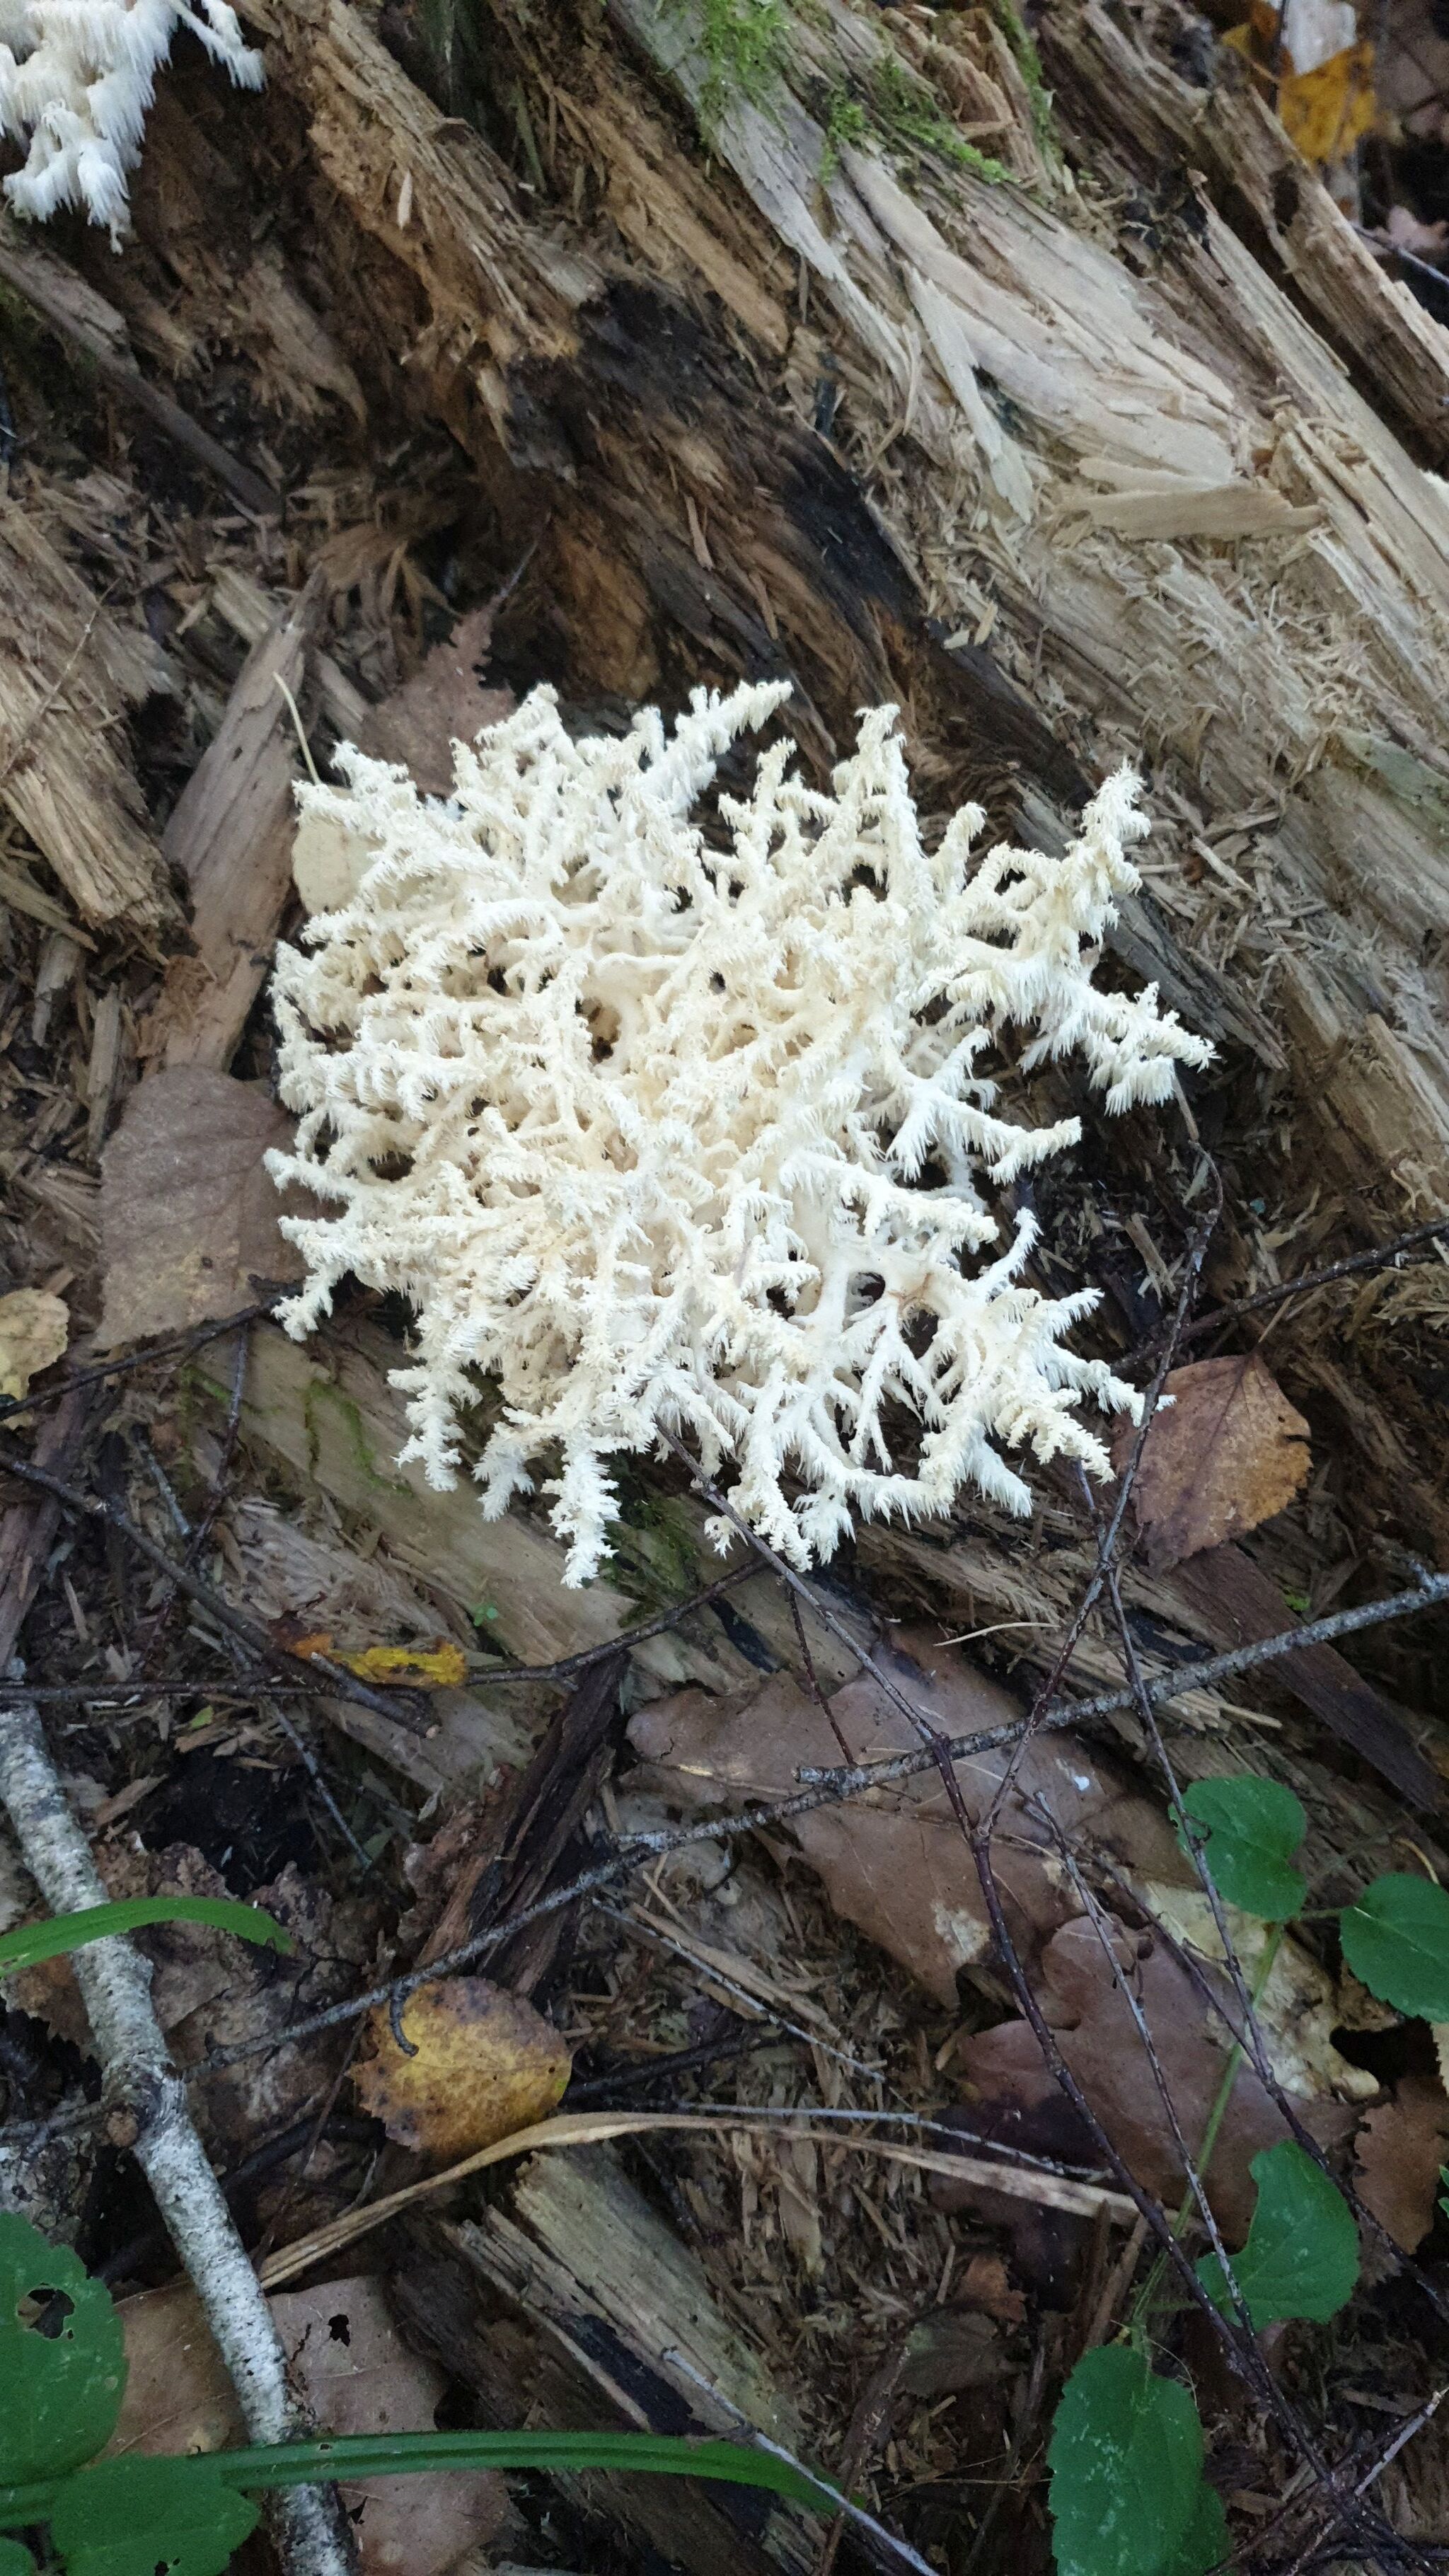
[671, 1110]
[76, 80]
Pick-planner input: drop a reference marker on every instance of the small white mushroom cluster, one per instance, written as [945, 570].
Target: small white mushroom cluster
[670, 1124]
[76, 80]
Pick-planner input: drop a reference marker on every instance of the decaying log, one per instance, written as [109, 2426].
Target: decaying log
[330, 1417]
[84, 317]
[69, 669]
[586, 2310]
[1129, 467]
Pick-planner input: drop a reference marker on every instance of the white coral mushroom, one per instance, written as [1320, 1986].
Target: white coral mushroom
[636, 1115]
[76, 80]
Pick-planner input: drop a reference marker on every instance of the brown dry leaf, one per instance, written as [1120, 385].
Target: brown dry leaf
[895, 1862]
[987, 2284]
[1229, 1452]
[486, 2064]
[1397, 2156]
[178, 2395]
[207, 1986]
[1097, 2035]
[34, 1330]
[354, 2370]
[188, 1210]
[443, 703]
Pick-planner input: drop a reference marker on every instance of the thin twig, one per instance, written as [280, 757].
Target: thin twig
[237, 1623]
[1109, 1537]
[173, 1344]
[1352, 1267]
[148, 2112]
[828, 1788]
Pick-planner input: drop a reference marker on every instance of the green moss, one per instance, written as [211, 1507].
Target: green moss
[846, 121]
[655, 1543]
[743, 43]
[1028, 62]
[320, 1391]
[896, 111]
[910, 120]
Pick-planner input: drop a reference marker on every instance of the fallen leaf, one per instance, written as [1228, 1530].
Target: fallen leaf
[486, 2064]
[895, 1862]
[34, 1330]
[1227, 1453]
[206, 1988]
[179, 2396]
[1300, 2007]
[987, 2284]
[1397, 2157]
[442, 1667]
[188, 1209]
[1098, 2038]
[948, 2350]
[443, 703]
[353, 2369]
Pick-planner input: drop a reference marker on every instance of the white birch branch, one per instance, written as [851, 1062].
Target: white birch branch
[148, 2097]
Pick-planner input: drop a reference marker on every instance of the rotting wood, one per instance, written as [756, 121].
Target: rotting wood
[1282, 680]
[538, 1837]
[626, 2331]
[69, 669]
[83, 317]
[1128, 88]
[334, 1421]
[230, 837]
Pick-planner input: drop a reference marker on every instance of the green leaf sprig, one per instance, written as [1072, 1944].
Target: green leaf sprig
[1128, 2494]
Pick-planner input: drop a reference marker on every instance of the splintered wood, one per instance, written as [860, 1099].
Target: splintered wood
[69, 671]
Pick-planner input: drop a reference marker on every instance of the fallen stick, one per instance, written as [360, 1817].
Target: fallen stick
[149, 2114]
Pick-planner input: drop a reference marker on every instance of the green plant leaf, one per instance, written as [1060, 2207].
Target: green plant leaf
[1205, 2540]
[35, 1941]
[1253, 1829]
[62, 2357]
[1301, 2257]
[15, 2559]
[141, 2518]
[1396, 1940]
[1126, 2466]
[391, 2455]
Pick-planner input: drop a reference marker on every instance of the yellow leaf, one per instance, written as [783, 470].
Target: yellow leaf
[34, 1330]
[1326, 110]
[444, 1668]
[486, 2064]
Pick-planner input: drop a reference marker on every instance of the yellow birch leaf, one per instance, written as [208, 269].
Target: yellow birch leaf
[486, 2064]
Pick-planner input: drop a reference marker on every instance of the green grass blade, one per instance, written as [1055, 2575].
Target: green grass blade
[364, 2455]
[35, 1941]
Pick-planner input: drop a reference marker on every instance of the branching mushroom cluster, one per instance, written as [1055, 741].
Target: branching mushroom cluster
[679, 1116]
[76, 80]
